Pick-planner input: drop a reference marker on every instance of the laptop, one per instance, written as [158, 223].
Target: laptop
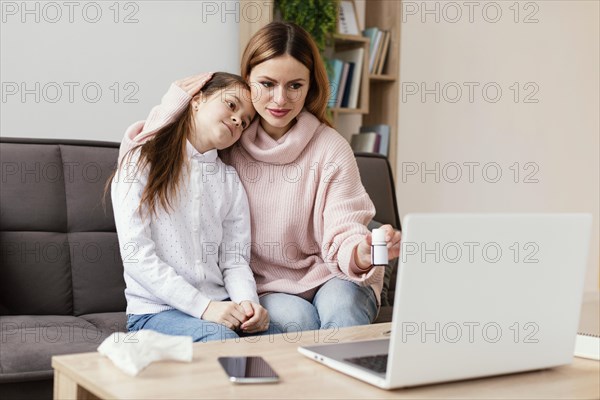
[476, 295]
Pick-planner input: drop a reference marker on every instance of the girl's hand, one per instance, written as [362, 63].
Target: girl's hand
[259, 320]
[227, 313]
[193, 84]
[362, 252]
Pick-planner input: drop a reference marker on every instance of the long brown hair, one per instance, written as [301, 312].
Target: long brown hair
[165, 152]
[280, 38]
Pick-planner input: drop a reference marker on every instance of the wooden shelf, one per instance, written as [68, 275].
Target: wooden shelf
[382, 78]
[338, 37]
[345, 110]
[349, 42]
[384, 89]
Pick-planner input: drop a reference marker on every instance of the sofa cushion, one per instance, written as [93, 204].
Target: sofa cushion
[36, 273]
[58, 244]
[109, 322]
[98, 283]
[86, 170]
[33, 189]
[376, 177]
[391, 294]
[385, 315]
[29, 342]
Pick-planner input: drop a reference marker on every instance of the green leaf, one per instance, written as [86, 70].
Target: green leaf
[318, 17]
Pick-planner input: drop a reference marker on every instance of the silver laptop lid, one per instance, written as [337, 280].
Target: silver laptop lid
[486, 294]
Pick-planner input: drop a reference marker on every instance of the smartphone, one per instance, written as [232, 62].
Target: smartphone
[248, 370]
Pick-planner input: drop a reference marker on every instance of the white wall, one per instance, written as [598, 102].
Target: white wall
[163, 41]
[557, 56]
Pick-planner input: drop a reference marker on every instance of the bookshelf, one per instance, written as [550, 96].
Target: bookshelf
[379, 94]
[384, 89]
[349, 42]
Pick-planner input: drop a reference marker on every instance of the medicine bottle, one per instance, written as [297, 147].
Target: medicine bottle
[379, 251]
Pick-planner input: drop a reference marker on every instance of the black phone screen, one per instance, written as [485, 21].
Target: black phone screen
[248, 369]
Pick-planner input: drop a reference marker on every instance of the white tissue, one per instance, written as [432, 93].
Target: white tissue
[134, 351]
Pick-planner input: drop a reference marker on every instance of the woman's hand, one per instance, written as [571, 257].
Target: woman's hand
[193, 84]
[362, 252]
[259, 317]
[227, 313]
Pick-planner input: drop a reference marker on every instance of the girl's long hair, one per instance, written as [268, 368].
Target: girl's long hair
[164, 154]
[280, 38]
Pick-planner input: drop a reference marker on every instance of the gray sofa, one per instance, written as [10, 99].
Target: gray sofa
[61, 285]
[61, 275]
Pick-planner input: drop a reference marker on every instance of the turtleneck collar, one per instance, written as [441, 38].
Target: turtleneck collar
[264, 148]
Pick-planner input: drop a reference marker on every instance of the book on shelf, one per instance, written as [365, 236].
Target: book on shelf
[378, 45]
[345, 98]
[367, 142]
[378, 48]
[334, 73]
[347, 18]
[371, 33]
[343, 86]
[384, 133]
[587, 342]
[384, 50]
[353, 56]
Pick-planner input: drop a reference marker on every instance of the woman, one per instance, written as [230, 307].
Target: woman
[180, 211]
[309, 210]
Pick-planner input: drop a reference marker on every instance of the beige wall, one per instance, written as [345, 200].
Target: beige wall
[555, 141]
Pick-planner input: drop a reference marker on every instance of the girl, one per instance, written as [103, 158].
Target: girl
[311, 248]
[182, 216]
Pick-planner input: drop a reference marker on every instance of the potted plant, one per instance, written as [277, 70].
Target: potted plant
[318, 17]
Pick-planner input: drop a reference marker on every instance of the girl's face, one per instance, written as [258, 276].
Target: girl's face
[279, 88]
[221, 117]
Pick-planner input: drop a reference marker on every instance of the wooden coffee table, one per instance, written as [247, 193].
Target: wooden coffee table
[90, 375]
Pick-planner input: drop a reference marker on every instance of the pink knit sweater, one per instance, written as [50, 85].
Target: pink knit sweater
[308, 207]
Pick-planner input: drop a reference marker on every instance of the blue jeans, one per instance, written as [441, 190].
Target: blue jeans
[338, 303]
[175, 322]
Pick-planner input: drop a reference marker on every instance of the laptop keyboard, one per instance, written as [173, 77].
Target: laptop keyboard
[374, 363]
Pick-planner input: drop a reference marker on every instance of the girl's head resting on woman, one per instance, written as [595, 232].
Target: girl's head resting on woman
[220, 112]
[214, 119]
[285, 71]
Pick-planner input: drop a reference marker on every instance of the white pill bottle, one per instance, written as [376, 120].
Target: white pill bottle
[379, 251]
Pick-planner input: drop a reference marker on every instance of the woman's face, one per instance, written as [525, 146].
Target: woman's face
[221, 117]
[279, 88]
